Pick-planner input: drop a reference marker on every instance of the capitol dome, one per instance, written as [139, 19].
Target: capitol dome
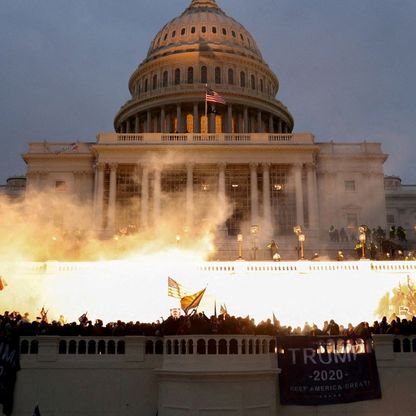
[203, 47]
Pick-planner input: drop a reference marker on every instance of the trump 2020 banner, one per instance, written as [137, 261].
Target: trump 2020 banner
[326, 370]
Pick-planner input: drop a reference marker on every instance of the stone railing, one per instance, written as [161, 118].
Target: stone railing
[191, 138]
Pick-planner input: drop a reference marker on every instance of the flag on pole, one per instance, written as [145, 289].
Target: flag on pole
[223, 310]
[176, 290]
[36, 412]
[213, 97]
[192, 301]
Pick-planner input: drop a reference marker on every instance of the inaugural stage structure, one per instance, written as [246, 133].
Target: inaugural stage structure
[237, 150]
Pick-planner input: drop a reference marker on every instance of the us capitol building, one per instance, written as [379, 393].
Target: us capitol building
[173, 152]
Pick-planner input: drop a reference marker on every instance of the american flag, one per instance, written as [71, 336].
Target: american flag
[213, 97]
[176, 290]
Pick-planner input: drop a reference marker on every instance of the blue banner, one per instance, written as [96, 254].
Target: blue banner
[9, 365]
[326, 370]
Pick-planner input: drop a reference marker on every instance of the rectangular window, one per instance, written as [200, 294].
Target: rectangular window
[349, 186]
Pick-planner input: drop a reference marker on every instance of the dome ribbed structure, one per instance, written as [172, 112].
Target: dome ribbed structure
[202, 46]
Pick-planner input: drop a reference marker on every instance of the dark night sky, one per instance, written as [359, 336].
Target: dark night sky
[346, 67]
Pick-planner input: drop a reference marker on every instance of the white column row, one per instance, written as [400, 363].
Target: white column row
[312, 195]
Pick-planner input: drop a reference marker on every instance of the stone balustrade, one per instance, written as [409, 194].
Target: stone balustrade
[200, 138]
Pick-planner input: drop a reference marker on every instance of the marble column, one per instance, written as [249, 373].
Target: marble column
[99, 172]
[221, 183]
[162, 120]
[254, 197]
[271, 127]
[128, 126]
[148, 122]
[156, 196]
[297, 173]
[112, 197]
[267, 209]
[229, 118]
[313, 209]
[279, 125]
[144, 200]
[189, 194]
[245, 121]
[197, 127]
[259, 123]
[178, 118]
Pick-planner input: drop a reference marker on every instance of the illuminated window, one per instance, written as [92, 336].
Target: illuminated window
[189, 123]
[218, 123]
[349, 185]
[204, 124]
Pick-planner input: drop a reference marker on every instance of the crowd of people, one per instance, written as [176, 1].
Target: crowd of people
[14, 324]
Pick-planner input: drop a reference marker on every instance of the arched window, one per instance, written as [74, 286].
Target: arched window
[212, 346]
[233, 33]
[224, 31]
[72, 349]
[193, 29]
[91, 347]
[154, 86]
[231, 76]
[261, 84]
[177, 76]
[203, 29]
[146, 85]
[183, 31]
[204, 75]
[165, 79]
[174, 33]
[218, 75]
[190, 75]
[24, 347]
[82, 347]
[214, 29]
[253, 82]
[121, 347]
[242, 79]
[111, 347]
[101, 347]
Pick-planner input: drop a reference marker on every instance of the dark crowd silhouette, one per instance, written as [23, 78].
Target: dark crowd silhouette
[13, 324]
